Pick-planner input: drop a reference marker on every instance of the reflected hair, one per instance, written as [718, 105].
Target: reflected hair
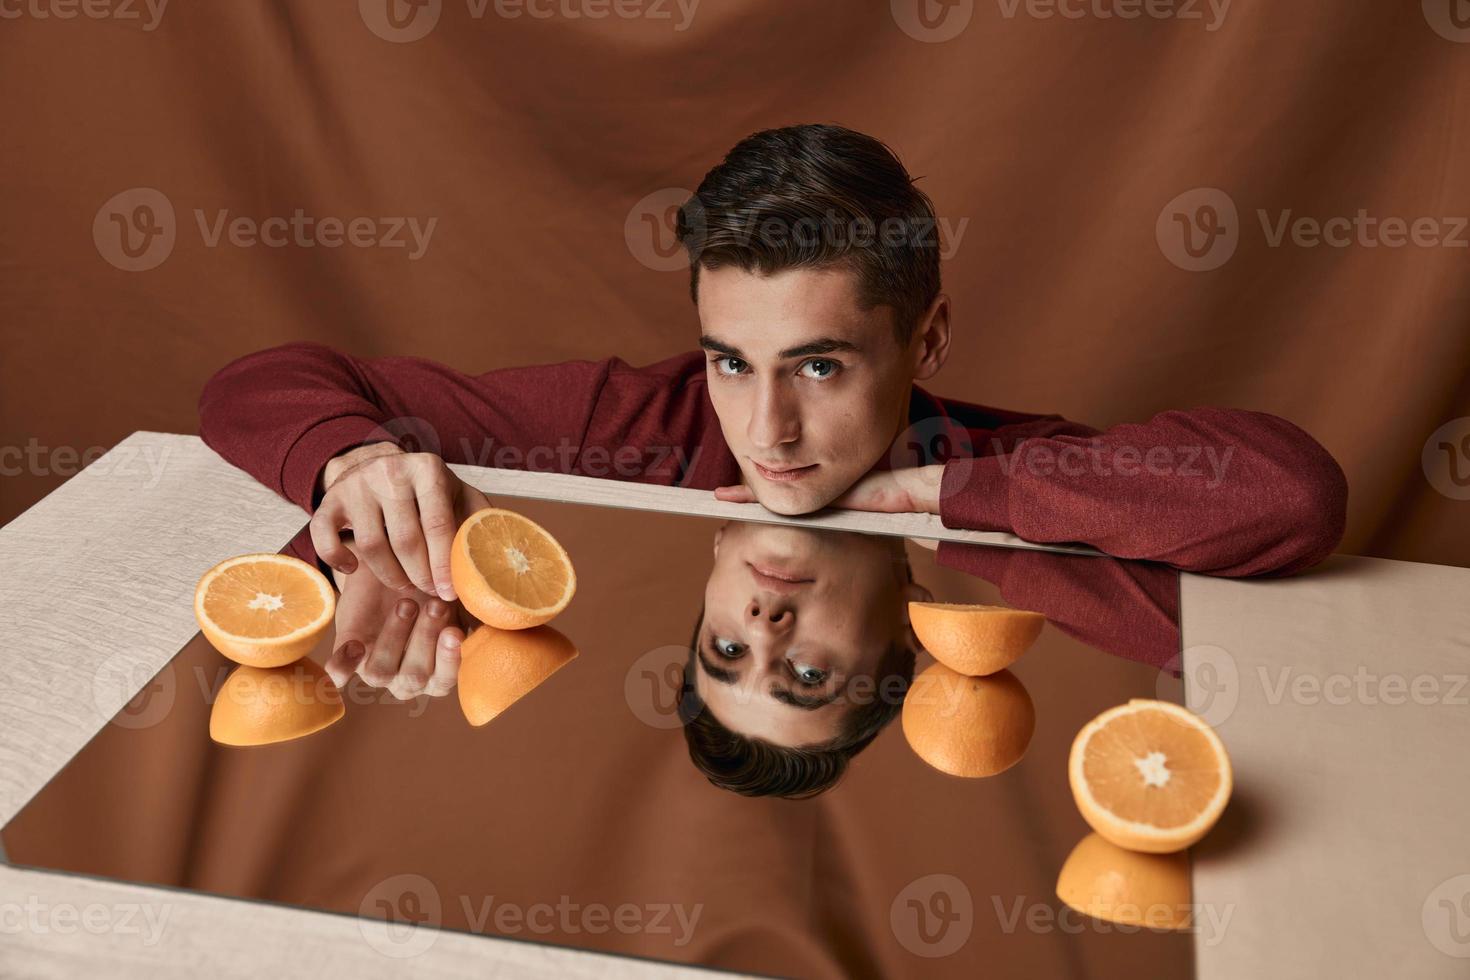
[756, 767]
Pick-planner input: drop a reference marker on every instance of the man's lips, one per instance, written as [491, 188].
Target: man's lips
[777, 580]
[783, 474]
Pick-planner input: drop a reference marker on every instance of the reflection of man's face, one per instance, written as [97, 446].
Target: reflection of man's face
[796, 625]
[810, 387]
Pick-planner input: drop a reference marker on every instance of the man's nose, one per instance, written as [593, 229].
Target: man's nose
[774, 420]
[768, 614]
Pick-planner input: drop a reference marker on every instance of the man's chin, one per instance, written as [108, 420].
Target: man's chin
[791, 501]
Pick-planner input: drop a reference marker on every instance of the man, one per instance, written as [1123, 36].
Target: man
[815, 273]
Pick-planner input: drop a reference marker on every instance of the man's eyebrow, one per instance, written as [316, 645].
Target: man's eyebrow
[802, 701]
[718, 673]
[822, 345]
[720, 347]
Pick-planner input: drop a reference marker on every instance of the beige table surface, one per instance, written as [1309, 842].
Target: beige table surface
[1339, 856]
[1343, 697]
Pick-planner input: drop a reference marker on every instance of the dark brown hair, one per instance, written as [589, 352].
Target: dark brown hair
[755, 767]
[818, 196]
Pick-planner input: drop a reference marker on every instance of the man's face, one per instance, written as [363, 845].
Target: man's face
[810, 388]
[796, 625]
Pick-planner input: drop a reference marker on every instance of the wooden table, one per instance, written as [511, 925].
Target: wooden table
[1340, 852]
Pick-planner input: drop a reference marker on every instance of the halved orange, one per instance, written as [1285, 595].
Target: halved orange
[1149, 776]
[499, 667]
[968, 726]
[509, 571]
[1114, 884]
[974, 639]
[264, 610]
[259, 705]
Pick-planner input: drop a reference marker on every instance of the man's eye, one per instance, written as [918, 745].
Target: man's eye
[819, 369]
[729, 365]
[808, 675]
[729, 649]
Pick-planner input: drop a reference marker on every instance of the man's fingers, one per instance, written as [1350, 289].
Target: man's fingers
[446, 662]
[326, 526]
[880, 492]
[343, 662]
[406, 534]
[380, 667]
[418, 656]
[370, 538]
[436, 515]
[735, 495]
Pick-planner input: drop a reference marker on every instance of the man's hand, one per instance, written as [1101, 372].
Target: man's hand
[912, 490]
[407, 643]
[403, 510]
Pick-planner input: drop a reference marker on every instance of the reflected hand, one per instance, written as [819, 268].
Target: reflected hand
[406, 642]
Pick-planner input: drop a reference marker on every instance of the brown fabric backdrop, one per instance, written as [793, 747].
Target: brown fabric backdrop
[1053, 147]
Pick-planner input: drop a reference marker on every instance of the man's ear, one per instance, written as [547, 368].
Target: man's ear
[930, 344]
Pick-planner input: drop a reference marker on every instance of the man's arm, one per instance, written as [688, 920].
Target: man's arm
[282, 413]
[1214, 491]
[1210, 490]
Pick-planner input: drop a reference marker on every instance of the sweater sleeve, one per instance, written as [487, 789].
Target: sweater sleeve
[280, 414]
[1210, 490]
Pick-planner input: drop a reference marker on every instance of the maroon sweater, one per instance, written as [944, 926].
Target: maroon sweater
[1211, 490]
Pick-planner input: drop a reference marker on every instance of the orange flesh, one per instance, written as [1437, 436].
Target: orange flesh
[1149, 768]
[519, 561]
[263, 600]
